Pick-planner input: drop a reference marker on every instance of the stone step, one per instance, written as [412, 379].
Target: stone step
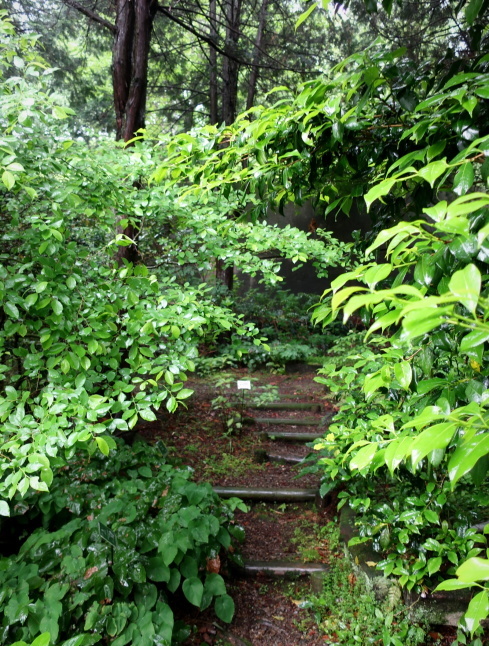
[283, 568]
[263, 456]
[287, 421]
[268, 494]
[290, 436]
[315, 408]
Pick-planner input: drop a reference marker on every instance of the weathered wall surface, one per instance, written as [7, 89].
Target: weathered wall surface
[304, 279]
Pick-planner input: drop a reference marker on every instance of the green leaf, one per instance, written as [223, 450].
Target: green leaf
[224, 607]
[438, 436]
[42, 640]
[473, 339]
[214, 583]
[477, 611]
[184, 393]
[304, 16]
[4, 508]
[465, 285]
[466, 456]
[378, 191]
[364, 457]
[8, 179]
[452, 584]
[11, 310]
[157, 570]
[147, 414]
[404, 374]
[432, 171]
[474, 569]
[102, 445]
[472, 10]
[193, 589]
[464, 179]
[434, 565]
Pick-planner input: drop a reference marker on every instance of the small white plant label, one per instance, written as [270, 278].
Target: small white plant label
[244, 385]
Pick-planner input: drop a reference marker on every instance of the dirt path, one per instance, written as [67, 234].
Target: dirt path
[268, 611]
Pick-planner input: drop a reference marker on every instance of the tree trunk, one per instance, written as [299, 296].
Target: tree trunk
[230, 66]
[250, 99]
[134, 21]
[213, 88]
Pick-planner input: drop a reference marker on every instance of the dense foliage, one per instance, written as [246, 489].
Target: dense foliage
[123, 540]
[89, 346]
[411, 142]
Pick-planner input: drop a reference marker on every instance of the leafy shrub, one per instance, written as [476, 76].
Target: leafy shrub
[348, 612]
[123, 539]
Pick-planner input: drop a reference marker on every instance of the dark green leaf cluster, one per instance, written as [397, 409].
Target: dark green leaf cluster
[125, 538]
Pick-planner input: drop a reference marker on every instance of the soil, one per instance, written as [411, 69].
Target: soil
[268, 612]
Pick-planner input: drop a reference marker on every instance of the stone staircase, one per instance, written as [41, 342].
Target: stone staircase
[304, 429]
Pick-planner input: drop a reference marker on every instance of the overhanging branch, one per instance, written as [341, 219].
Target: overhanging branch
[90, 14]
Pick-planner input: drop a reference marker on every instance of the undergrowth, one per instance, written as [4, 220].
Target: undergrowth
[119, 543]
[350, 610]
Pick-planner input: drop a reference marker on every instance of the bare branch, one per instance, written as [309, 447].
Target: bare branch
[90, 14]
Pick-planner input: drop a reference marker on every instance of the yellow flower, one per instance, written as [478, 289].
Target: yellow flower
[330, 437]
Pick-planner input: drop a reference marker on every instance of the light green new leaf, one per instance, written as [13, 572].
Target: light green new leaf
[434, 437]
[364, 457]
[404, 374]
[8, 179]
[432, 171]
[304, 16]
[474, 569]
[465, 285]
[452, 584]
[466, 456]
[477, 611]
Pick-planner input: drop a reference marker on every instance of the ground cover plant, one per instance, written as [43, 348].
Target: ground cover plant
[119, 542]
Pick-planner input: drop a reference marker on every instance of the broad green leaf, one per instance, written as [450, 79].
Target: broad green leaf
[364, 456]
[465, 285]
[466, 456]
[463, 179]
[472, 10]
[11, 310]
[434, 565]
[477, 611]
[224, 607]
[214, 583]
[378, 191]
[432, 171]
[102, 445]
[473, 339]
[438, 436]
[193, 589]
[8, 179]
[452, 584]
[403, 374]
[474, 569]
[42, 640]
